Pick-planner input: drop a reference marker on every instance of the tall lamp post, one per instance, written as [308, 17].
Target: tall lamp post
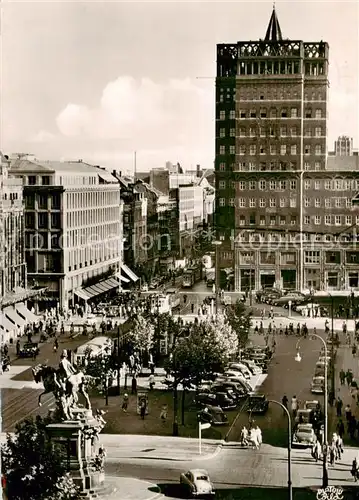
[290, 487]
[217, 244]
[332, 366]
[325, 443]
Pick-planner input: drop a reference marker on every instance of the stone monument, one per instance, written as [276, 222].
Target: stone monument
[75, 428]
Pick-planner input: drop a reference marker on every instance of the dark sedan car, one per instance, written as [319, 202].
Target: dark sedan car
[213, 415]
[257, 403]
[29, 350]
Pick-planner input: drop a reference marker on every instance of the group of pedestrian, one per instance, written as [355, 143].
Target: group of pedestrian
[252, 436]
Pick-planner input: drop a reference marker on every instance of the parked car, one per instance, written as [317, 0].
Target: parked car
[257, 403]
[312, 405]
[29, 350]
[304, 416]
[225, 401]
[205, 398]
[196, 482]
[237, 378]
[294, 297]
[214, 415]
[304, 436]
[317, 386]
[255, 369]
[241, 368]
[239, 391]
[320, 369]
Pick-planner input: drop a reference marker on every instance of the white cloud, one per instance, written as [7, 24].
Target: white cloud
[148, 114]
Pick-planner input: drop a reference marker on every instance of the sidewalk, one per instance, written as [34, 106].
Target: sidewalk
[318, 323]
[129, 488]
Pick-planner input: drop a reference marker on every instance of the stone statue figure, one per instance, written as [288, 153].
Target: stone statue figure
[65, 383]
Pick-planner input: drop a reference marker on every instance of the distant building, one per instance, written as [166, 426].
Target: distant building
[73, 229]
[343, 146]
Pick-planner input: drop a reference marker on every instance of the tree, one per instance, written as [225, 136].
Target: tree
[205, 351]
[102, 368]
[142, 334]
[32, 465]
[240, 320]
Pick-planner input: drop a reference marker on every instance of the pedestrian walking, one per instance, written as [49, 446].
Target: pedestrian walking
[125, 403]
[18, 348]
[339, 406]
[285, 401]
[340, 428]
[56, 345]
[151, 381]
[348, 413]
[134, 385]
[294, 406]
[143, 409]
[342, 376]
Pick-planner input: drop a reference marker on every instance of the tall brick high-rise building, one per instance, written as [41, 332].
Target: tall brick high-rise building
[271, 129]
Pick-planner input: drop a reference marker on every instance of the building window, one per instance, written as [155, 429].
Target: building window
[282, 220]
[293, 202]
[327, 185]
[242, 149]
[30, 220]
[222, 132]
[252, 113]
[252, 149]
[337, 220]
[252, 219]
[338, 203]
[262, 185]
[221, 202]
[312, 257]
[31, 180]
[293, 185]
[262, 131]
[317, 165]
[42, 201]
[242, 131]
[318, 131]
[318, 114]
[307, 149]
[242, 202]
[273, 149]
[242, 113]
[306, 165]
[272, 220]
[262, 202]
[232, 150]
[327, 220]
[283, 131]
[272, 202]
[317, 202]
[293, 220]
[283, 149]
[242, 220]
[252, 202]
[293, 113]
[306, 219]
[271, 131]
[252, 166]
[252, 185]
[282, 202]
[252, 132]
[348, 220]
[293, 149]
[222, 184]
[338, 185]
[55, 220]
[42, 220]
[282, 185]
[318, 149]
[308, 113]
[222, 150]
[232, 115]
[263, 113]
[272, 185]
[357, 220]
[308, 132]
[273, 113]
[327, 202]
[317, 185]
[222, 115]
[231, 202]
[262, 220]
[317, 220]
[307, 184]
[242, 185]
[294, 131]
[306, 202]
[232, 132]
[45, 180]
[262, 150]
[222, 166]
[287, 258]
[284, 113]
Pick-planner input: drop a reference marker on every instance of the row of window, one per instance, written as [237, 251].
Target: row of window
[283, 149]
[271, 220]
[263, 203]
[331, 220]
[270, 93]
[273, 113]
[269, 238]
[44, 201]
[327, 184]
[273, 131]
[272, 165]
[43, 220]
[328, 202]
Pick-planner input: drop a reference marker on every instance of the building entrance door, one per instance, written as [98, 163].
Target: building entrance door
[289, 278]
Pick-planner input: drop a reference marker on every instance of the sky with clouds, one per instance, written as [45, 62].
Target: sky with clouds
[100, 80]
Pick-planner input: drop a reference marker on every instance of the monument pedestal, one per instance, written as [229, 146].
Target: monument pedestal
[78, 443]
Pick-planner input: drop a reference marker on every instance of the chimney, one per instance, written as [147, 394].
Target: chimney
[198, 169]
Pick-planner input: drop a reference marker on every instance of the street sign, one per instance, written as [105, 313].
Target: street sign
[205, 426]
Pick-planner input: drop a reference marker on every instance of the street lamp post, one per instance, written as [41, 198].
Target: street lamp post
[332, 366]
[290, 487]
[217, 244]
[325, 443]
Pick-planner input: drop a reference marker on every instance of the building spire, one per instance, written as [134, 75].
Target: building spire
[274, 33]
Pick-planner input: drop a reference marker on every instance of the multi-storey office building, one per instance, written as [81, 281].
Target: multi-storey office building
[73, 228]
[271, 127]
[13, 283]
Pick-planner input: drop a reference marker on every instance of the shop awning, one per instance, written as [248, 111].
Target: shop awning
[14, 317]
[92, 291]
[81, 294]
[26, 313]
[129, 273]
[122, 278]
[6, 324]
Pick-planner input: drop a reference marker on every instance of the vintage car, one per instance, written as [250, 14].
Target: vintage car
[312, 405]
[213, 415]
[29, 350]
[317, 386]
[196, 482]
[257, 403]
[304, 416]
[304, 436]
